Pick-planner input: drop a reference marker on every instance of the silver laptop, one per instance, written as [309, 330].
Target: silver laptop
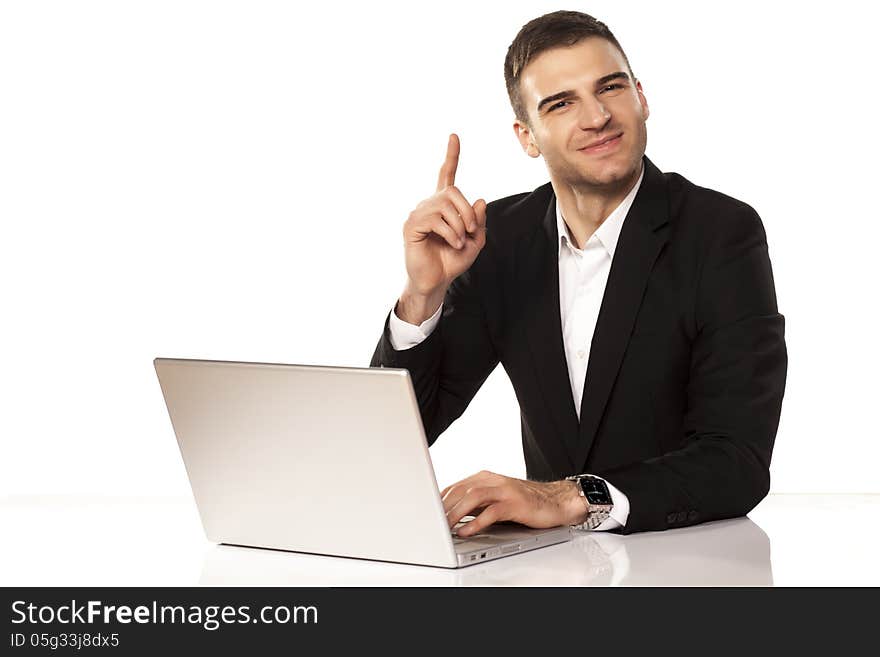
[324, 460]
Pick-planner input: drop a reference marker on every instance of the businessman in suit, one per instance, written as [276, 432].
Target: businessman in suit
[634, 311]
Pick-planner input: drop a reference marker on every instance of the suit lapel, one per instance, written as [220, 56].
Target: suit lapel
[641, 240]
[538, 277]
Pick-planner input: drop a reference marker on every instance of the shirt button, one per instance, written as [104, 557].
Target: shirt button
[581, 353]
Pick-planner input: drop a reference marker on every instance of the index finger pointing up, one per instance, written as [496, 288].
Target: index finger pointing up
[450, 165]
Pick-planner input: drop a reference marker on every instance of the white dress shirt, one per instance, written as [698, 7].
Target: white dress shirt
[583, 274]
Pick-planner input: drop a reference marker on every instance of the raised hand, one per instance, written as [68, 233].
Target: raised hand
[442, 238]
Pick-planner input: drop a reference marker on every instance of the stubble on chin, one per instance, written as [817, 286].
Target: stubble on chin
[588, 179]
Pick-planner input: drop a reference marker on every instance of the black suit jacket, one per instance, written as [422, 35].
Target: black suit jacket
[687, 365]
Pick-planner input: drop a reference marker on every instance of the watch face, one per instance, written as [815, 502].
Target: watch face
[596, 491]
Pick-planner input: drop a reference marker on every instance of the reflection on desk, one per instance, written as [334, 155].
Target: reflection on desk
[725, 553]
[65, 540]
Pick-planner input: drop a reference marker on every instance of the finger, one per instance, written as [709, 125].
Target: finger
[445, 491]
[450, 164]
[480, 212]
[476, 497]
[467, 482]
[451, 497]
[478, 237]
[454, 495]
[462, 482]
[420, 228]
[465, 209]
[444, 230]
[490, 515]
[450, 215]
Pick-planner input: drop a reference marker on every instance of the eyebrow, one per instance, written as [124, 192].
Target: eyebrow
[568, 93]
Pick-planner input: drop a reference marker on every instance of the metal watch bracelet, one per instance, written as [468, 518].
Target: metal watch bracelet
[596, 513]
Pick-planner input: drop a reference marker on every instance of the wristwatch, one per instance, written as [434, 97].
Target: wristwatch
[595, 491]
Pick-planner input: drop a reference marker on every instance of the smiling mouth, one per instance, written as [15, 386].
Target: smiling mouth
[606, 145]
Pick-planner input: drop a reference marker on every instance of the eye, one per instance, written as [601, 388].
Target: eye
[561, 102]
[613, 86]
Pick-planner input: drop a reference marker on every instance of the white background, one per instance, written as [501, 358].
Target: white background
[229, 180]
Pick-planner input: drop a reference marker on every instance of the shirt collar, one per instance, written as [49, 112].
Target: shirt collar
[609, 232]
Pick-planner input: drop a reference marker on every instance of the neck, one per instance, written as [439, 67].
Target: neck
[584, 208]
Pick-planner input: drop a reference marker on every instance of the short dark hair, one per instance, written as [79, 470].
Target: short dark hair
[559, 28]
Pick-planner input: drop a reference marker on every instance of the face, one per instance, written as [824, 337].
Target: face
[573, 100]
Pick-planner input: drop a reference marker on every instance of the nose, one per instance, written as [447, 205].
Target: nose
[594, 115]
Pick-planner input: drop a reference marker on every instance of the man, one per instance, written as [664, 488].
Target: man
[634, 312]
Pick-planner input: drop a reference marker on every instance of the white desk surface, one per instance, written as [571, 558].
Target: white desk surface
[787, 540]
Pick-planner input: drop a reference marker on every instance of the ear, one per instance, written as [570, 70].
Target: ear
[646, 111]
[526, 140]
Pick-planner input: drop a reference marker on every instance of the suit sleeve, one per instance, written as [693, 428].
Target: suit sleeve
[452, 362]
[734, 394]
